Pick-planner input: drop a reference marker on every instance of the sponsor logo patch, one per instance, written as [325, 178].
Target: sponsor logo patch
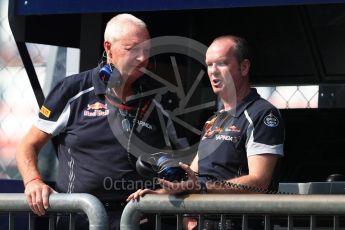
[271, 121]
[145, 124]
[96, 110]
[97, 105]
[45, 111]
[226, 138]
[232, 128]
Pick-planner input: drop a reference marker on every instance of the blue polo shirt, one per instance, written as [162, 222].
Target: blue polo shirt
[229, 137]
[93, 141]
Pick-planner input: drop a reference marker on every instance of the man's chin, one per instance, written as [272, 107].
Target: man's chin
[134, 76]
[216, 91]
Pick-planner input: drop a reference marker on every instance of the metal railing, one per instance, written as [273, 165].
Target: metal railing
[244, 205]
[71, 203]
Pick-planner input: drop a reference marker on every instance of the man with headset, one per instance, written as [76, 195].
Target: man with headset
[241, 143]
[96, 117]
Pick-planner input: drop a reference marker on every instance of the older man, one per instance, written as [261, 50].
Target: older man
[93, 124]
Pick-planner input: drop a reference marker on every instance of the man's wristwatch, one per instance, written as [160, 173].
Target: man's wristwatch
[203, 187]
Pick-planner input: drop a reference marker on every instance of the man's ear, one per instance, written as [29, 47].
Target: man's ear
[245, 66]
[107, 46]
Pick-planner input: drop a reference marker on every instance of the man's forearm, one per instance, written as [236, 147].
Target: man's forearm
[27, 163]
[244, 184]
[27, 153]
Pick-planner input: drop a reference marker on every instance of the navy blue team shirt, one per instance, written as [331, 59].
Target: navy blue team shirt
[254, 127]
[77, 113]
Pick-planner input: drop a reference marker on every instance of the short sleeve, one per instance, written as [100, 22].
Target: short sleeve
[55, 111]
[265, 133]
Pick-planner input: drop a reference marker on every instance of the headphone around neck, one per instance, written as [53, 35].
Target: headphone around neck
[108, 73]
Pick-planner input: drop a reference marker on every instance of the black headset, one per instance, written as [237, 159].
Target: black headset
[161, 165]
[108, 73]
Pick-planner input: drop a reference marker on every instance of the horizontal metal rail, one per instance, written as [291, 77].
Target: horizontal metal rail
[73, 203]
[232, 203]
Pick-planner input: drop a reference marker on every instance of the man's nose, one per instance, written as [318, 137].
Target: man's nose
[213, 69]
[142, 56]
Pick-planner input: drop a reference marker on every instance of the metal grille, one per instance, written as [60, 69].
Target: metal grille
[286, 97]
[18, 105]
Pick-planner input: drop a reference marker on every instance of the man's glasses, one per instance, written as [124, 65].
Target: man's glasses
[124, 111]
[126, 125]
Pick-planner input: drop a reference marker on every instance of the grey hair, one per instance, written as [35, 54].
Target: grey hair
[115, 26]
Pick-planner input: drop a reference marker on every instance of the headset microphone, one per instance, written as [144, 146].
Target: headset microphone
[108, 73]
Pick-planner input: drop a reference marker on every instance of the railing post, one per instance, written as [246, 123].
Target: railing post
[77, 202]
[243, 204]
[131, 216]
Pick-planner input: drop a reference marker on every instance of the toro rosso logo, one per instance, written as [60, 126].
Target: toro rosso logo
[271, 121]
[97, 109]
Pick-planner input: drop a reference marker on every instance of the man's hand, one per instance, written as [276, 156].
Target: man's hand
[191, 185]
[141, 192]
[37, 194]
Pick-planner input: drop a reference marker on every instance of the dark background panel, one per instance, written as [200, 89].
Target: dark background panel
[314, 144]
[328, 23]
[28, 7]
[279, 43]
[289, 44]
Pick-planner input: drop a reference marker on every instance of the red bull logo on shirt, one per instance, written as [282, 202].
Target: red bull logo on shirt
[97, 109]
[97, 105]
[232, 128]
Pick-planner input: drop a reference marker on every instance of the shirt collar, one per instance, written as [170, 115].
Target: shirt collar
[250, 98]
